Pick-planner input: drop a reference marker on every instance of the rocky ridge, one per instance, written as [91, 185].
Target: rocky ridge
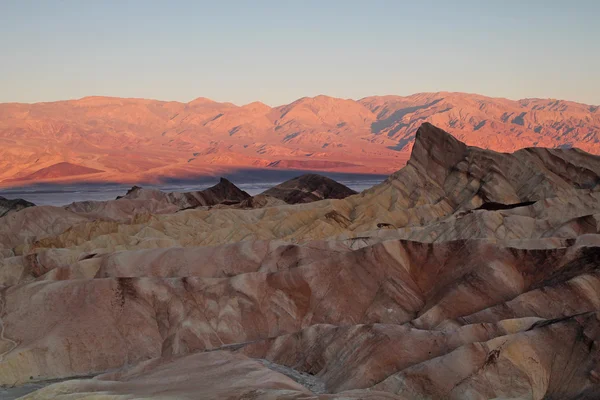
[7, 206]
[466, 274]
[308, 188]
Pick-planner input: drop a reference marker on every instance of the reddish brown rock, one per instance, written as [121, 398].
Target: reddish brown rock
[467, 274]
[59, 170]
[139, 140]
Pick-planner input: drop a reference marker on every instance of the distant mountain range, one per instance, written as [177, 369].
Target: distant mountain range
[139, 140]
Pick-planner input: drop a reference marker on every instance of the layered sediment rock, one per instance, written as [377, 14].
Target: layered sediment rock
[467, 274]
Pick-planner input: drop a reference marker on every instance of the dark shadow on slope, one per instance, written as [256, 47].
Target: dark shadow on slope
[493, 206]
[402, 143]
[378, 126]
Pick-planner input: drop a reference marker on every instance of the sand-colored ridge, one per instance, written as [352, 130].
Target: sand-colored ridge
[466, 274]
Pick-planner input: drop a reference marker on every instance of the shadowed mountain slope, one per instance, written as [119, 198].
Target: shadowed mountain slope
[308, 188]
[7, 205]
[59, 170]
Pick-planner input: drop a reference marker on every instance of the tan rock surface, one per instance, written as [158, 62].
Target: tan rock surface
[200, 376]
[467, 274]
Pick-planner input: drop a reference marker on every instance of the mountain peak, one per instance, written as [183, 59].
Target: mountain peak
[429, 135]
[8, 206]
[227, 190]
[308, 188]
[201, 100]
[435, 150]
[319, 100]
[256, 106]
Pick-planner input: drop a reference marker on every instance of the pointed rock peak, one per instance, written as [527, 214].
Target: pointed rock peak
[133, 193]
[225, 181]
[307, 188]
[7, 206]
[432, 132]
[226, 190]
[134, 188]
[310, 179]
[435, 150]
[430, 138]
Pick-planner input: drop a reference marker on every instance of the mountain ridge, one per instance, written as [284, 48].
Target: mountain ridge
[140, 140]
[389, 95]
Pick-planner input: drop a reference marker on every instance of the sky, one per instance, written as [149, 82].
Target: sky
[279, 51]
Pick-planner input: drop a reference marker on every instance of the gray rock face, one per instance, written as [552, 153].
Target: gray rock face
[223, 192]
[7, 206]
[139, 201]
[308, 188]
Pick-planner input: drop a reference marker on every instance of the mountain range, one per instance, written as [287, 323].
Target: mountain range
[107, 139]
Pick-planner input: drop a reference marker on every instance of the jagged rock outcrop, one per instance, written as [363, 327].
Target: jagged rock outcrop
[7, 206]
[467, 274]
[153, 201]
[308, 188]
[223, 192]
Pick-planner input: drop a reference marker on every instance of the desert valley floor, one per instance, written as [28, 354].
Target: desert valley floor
[467, 274]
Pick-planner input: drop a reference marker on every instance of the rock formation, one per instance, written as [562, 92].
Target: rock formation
[466, 274]
[308, 188]
[223, 192]
[7, 205]
[139, 201]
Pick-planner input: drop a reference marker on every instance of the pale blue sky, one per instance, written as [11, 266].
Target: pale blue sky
[278, 51]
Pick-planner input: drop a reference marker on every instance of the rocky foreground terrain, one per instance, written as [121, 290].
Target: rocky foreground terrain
[107, 139]
[467, 274]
